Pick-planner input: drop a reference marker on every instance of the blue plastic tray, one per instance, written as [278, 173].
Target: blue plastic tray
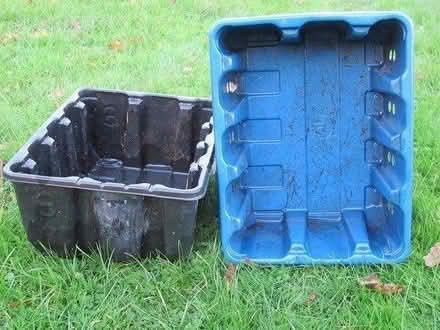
[313, 125]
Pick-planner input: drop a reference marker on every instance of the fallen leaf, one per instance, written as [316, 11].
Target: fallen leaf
[311, 298]
[75, 25]
[231, 273]
[433, 257]
[15, 304]
[373, 282]
[370, 281]
[57, 93]
[4, 38]
[391, 288]
[116, 45]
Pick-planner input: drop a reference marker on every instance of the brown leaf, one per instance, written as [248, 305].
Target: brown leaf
[311, 298]
[231, 273]
[116, 45]
[15, 304]
[4, 38]
[75, 25]
[57, 93]
[432, 259]
[373, 282]
[391, 288]
[40, 33]
[370, 281]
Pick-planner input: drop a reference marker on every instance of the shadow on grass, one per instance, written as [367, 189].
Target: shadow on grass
[207, 217]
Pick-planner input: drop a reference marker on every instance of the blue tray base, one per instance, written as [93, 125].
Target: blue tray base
[337, 236]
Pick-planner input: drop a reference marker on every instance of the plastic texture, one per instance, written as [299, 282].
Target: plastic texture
[314, 133]
[119, 170]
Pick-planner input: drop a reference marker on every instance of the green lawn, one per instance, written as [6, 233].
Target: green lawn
[50, 48]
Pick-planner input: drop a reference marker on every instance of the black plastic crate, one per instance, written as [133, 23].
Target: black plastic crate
[120, 170]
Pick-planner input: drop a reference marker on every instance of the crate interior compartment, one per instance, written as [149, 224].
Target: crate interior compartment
[112, 137]
[118, 170]
[315, 135]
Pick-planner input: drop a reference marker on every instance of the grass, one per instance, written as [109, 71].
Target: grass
[50, 48]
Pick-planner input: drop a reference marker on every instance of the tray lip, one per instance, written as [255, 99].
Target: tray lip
[364, 18]
[157, 190]
[359, 19]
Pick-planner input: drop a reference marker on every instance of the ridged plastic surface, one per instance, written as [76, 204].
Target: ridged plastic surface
[313, 117]
[119, 170]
